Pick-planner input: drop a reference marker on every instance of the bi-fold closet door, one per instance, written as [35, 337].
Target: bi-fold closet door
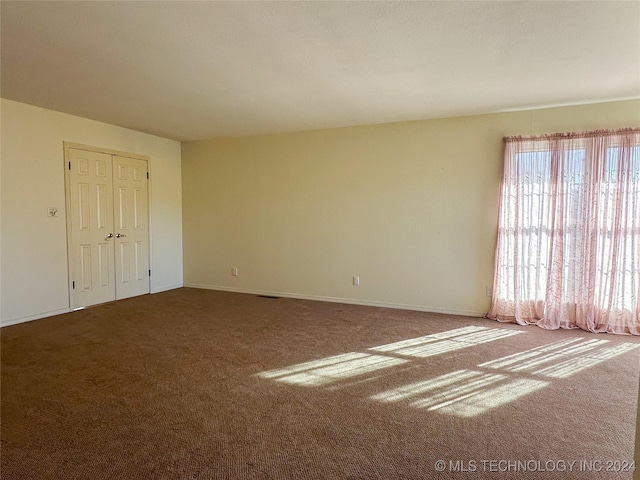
[108, 226]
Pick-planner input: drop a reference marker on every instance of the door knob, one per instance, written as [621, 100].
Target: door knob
[118, 235]
[109, 236]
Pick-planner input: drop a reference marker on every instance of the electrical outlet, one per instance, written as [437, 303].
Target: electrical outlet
[234, 271]
[356, 280]
[52, 212]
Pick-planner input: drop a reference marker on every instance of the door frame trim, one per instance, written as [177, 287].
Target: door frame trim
[67, 196]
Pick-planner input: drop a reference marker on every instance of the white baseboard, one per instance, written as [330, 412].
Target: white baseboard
[350, 301]
[29, 318]
[166, 287]
[319, 298]
[37, 316]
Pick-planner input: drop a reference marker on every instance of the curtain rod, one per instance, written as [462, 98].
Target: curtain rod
[587, 134]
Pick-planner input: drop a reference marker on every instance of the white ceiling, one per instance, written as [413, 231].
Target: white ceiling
[193, 70]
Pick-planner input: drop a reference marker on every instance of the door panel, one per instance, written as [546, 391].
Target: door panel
[132, 226]
[91, 249]
[105, 264]
[125, 264]
[140, 253]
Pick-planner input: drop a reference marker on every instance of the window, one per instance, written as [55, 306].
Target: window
[568, 252]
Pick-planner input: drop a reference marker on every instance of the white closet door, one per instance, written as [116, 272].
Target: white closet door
[91, 236]
[131, 230]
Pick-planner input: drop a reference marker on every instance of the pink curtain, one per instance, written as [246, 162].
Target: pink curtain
[568, 252]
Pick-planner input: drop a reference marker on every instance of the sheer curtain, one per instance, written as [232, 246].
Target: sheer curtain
[568, 252]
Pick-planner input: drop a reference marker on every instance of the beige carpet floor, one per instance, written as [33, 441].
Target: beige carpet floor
[196, 384]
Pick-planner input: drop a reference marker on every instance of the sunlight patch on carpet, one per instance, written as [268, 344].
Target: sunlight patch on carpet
[340, 367]
[328, 370]
[464, 393]
[445, 342]
[560, 359]
[481, 401]
[418, 388]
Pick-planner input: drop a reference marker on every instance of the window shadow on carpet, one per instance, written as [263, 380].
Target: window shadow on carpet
[462, 392]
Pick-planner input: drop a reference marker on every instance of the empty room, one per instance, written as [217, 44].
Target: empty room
[323, 240]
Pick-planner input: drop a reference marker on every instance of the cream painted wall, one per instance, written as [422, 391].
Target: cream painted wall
[411, 208]
[34, 246]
